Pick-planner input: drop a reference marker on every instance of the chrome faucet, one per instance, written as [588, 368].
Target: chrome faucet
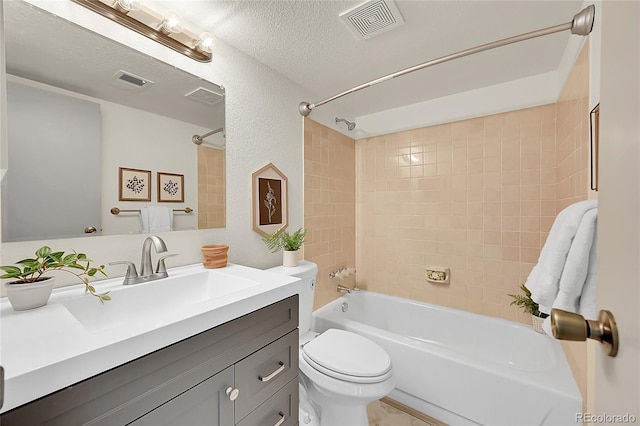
[146, 269]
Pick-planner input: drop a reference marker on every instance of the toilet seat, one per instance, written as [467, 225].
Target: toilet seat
[347, 356]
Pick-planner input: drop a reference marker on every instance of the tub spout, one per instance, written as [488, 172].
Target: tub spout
[345, 289]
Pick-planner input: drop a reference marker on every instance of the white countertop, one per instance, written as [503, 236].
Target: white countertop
[46, 349]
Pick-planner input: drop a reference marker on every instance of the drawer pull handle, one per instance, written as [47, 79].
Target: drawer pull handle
[281, 414]
[274, 374]
[232, 393]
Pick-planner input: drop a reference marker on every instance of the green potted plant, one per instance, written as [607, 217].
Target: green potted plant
[32, 288]
[529, 306]
[290, 244]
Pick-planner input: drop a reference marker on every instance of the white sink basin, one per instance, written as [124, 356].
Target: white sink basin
[154, 303]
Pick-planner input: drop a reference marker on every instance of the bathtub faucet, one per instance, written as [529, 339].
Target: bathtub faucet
[346, 289]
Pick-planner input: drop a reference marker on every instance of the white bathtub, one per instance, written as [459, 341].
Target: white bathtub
[460, 367]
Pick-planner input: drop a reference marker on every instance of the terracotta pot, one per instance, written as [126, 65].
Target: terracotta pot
[214, 255]
[290, 258]
[25, 296]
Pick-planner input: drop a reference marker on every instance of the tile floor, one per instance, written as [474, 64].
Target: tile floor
[381, 414]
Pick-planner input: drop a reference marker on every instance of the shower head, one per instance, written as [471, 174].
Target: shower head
[350, 125]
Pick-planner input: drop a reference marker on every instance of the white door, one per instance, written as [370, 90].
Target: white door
[52, 188]
[617, 380]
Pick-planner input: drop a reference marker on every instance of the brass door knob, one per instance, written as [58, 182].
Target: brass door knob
[570, 326]
[90, 229]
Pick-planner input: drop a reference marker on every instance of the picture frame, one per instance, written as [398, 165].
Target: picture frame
[594, 131]
[269, 200]
[170, 187]
[134, 184]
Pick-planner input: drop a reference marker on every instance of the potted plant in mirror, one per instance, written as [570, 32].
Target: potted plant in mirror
[32, 288]
[290, 244]
[529, 306]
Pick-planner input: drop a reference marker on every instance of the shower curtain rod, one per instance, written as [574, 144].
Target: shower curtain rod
[199, 139]
[581, 24]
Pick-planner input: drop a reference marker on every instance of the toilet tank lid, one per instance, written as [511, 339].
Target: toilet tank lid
[305, 269]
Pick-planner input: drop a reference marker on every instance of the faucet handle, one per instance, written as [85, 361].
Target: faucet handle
[132, 272]
[161, 267]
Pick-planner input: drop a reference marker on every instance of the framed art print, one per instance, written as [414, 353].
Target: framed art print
[134, 184]
[170, 187]
[269, 200]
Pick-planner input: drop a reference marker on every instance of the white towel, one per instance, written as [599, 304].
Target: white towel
[544, 279]
[576, 291]
[156, 219]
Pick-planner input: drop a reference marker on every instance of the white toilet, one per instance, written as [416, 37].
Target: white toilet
[340, 372]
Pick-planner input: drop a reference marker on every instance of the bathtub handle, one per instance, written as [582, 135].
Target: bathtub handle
[281, 414]
[274, 374]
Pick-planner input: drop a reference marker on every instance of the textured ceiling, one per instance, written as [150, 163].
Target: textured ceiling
[307, 42]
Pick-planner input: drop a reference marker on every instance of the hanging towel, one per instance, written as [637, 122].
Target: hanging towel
[544, 279]
[156, 219]
[576, 290]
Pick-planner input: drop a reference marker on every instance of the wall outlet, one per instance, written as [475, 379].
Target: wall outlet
[437, 274]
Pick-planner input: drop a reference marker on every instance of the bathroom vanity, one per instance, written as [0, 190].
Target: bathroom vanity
[225, 359]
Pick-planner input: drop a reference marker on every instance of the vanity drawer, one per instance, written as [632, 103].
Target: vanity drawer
[261, 374]
[281, 409]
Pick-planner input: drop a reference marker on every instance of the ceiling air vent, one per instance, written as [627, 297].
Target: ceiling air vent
[130, 81]
[205, 95]
[372, 18]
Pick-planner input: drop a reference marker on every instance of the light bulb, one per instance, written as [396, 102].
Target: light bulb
[205, 42]
[171, 22]
[126, 6]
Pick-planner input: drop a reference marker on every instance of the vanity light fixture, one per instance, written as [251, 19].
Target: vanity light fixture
[166, 28]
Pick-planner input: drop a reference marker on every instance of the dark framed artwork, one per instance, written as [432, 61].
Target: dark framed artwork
[594, 125]
[269, 200]
[134, 184]
[170, 187]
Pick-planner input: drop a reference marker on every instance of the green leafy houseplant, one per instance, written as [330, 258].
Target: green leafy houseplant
[283, 240]
[33, 269]
[527, 303]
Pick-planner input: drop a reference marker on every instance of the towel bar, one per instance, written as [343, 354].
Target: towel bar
[117, 211]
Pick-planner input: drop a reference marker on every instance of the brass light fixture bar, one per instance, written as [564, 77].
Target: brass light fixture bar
[189, 47]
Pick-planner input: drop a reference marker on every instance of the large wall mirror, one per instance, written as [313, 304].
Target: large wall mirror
[95, 126]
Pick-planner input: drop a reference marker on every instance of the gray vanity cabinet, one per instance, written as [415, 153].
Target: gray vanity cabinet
[205, 403]
[186, 383]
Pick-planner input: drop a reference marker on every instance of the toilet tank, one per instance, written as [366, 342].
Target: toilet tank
[307, 272]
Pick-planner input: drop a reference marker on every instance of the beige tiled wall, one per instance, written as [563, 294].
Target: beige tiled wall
[211, 188]
[329, 205]
[477, 196]
[572, 135]
[573, 180]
